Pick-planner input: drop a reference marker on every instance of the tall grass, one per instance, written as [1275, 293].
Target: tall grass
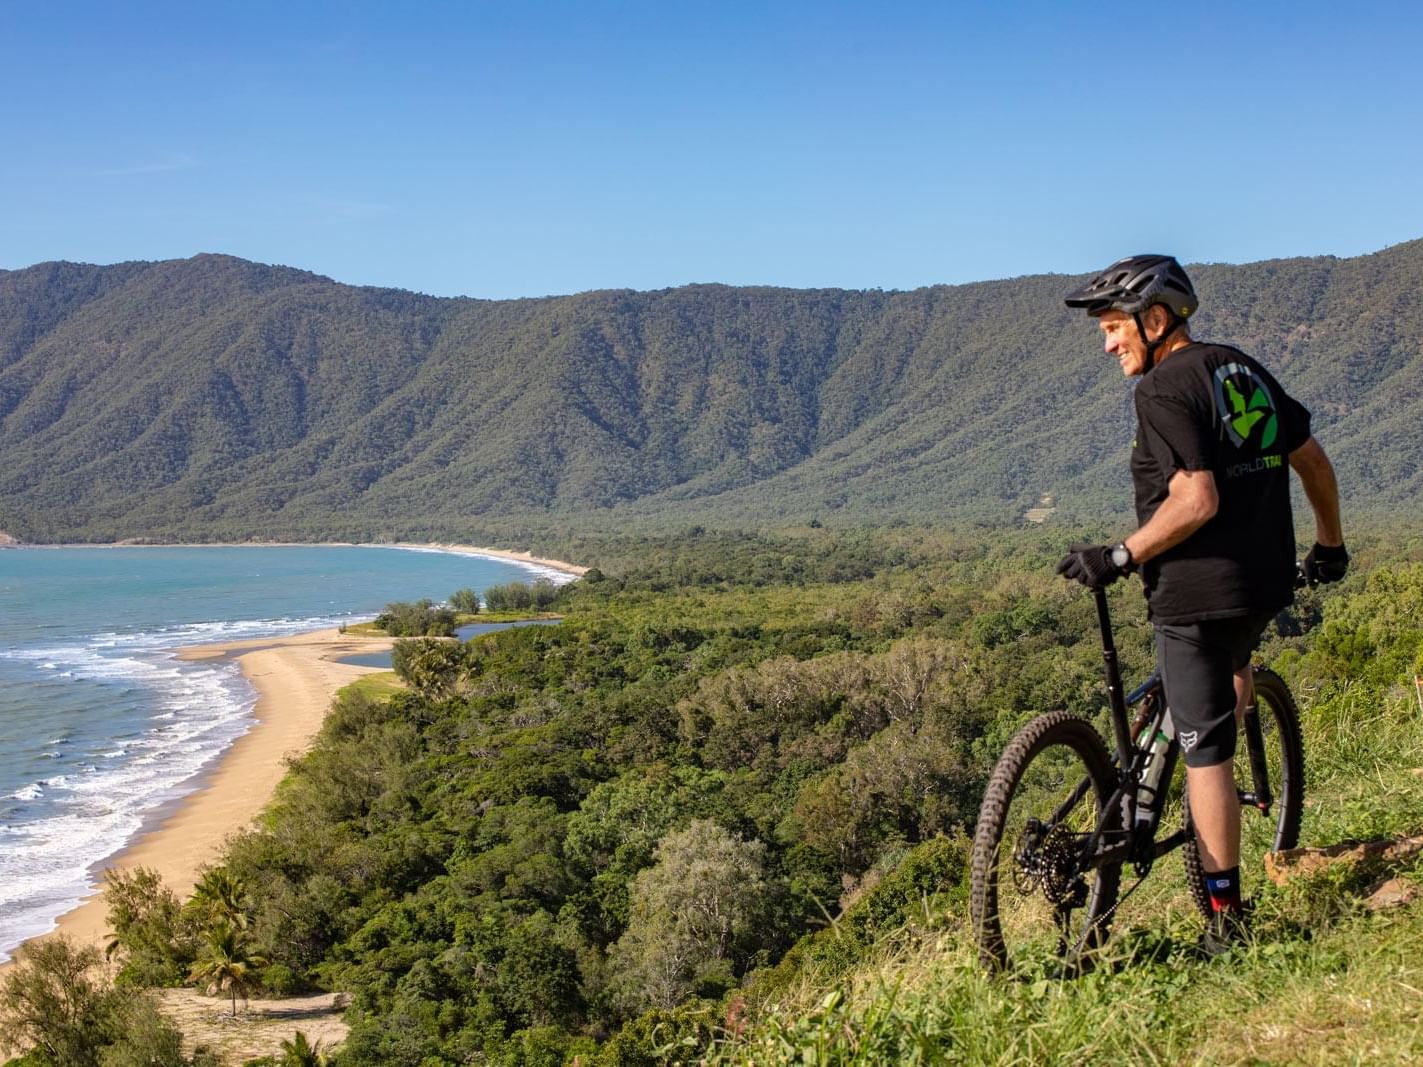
[1323, 980]
[1351, 992]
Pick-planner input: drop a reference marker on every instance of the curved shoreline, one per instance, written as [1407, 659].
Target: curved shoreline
[296, 678]
[493, 553]
[507, 554]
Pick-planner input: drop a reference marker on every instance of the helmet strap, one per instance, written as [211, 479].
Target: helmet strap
[1175, 322]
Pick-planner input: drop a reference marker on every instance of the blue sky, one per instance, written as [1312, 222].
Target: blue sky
[521, 149]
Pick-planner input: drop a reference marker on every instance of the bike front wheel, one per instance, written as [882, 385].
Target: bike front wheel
[1278, 764]
[1040, 898]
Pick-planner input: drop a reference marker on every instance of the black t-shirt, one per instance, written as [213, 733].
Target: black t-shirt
[1210, 407]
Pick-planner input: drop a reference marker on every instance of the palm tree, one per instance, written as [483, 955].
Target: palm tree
[221, 896]
[225, 965]
[298, 1052]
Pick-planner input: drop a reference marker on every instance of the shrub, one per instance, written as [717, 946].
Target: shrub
[520, 596]
[465, 601]
[149, 931]
[280, 980]
[420, 619]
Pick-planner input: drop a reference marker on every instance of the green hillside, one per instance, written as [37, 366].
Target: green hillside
[213, 397]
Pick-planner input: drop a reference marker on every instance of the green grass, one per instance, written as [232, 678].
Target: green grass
[364, 629]
[1349, 994]
[370, 629]
[374, 686]
[504, 616]
[1324, 980]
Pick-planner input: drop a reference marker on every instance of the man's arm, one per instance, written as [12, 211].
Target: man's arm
[1320, 486]
[1191, 502]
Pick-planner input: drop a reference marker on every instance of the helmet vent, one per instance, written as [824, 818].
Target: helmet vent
[1133, 284]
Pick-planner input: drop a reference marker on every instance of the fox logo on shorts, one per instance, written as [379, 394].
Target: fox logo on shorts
[1189, 739]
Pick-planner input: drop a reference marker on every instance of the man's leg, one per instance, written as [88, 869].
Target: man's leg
[1215, 807]
[1206, 692]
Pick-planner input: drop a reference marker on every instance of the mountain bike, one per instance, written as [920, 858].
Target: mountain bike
[1062, 817]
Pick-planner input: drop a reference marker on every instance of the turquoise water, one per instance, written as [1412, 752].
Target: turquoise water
[100, 724]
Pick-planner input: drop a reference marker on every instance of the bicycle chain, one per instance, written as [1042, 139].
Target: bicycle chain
[1050, 867]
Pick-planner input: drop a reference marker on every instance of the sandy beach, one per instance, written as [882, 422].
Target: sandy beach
[504, 553]
[469, 550]
[295, 678]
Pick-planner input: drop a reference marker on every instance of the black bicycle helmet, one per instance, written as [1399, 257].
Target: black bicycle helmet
[1133, 284]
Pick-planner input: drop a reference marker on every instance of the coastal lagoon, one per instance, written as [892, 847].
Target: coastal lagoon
[101, 725]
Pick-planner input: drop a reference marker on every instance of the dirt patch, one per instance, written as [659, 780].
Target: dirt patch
[1392, 893]
[1294, 862]
[261, 1025]
[1043, 511]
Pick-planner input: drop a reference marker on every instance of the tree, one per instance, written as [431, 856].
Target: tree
[297, 1051]
[904, 783]
[512, 596]
[465, 601]
[225, 964]
[55, 1005]
[521, 596]
[538, 978]
[433, 668]
[221, 897]
[420, 619]
[52, 1003]
[147, 1039]
[694, 914]
[148, 925]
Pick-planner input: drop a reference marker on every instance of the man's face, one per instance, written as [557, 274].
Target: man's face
[1121, 339]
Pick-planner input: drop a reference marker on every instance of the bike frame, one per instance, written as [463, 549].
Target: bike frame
[1121, 729]
[1138, 838]
[1137, 841]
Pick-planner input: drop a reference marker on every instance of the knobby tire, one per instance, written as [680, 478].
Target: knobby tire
[1056, 757]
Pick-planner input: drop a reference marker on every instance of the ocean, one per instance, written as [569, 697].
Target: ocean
[101, 725]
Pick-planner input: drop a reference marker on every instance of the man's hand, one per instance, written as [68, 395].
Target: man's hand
[1325, 564]
[1091, 565]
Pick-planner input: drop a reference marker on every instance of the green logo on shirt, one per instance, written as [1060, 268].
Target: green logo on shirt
[1245, 406]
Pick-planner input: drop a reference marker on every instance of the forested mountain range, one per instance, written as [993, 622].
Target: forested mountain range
[218, 398]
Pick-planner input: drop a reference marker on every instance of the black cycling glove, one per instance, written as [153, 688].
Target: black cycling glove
[1325, 564]
[1091, 565]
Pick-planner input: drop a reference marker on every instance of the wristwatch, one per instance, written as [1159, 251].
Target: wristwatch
[1121, 558]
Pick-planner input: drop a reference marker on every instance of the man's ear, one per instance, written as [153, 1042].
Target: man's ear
[1158, 321]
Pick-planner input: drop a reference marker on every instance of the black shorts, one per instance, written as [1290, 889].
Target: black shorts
[1198, 662]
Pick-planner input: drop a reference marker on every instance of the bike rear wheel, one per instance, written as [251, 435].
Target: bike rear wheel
[1284, 766]
[1036, 901]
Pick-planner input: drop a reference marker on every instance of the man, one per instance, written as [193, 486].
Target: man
[1216, 436]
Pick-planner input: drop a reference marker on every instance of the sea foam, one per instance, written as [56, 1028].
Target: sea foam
[51, 856]
[138, 725]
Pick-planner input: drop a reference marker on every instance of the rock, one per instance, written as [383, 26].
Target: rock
[1390, 894]
[1297, 862]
